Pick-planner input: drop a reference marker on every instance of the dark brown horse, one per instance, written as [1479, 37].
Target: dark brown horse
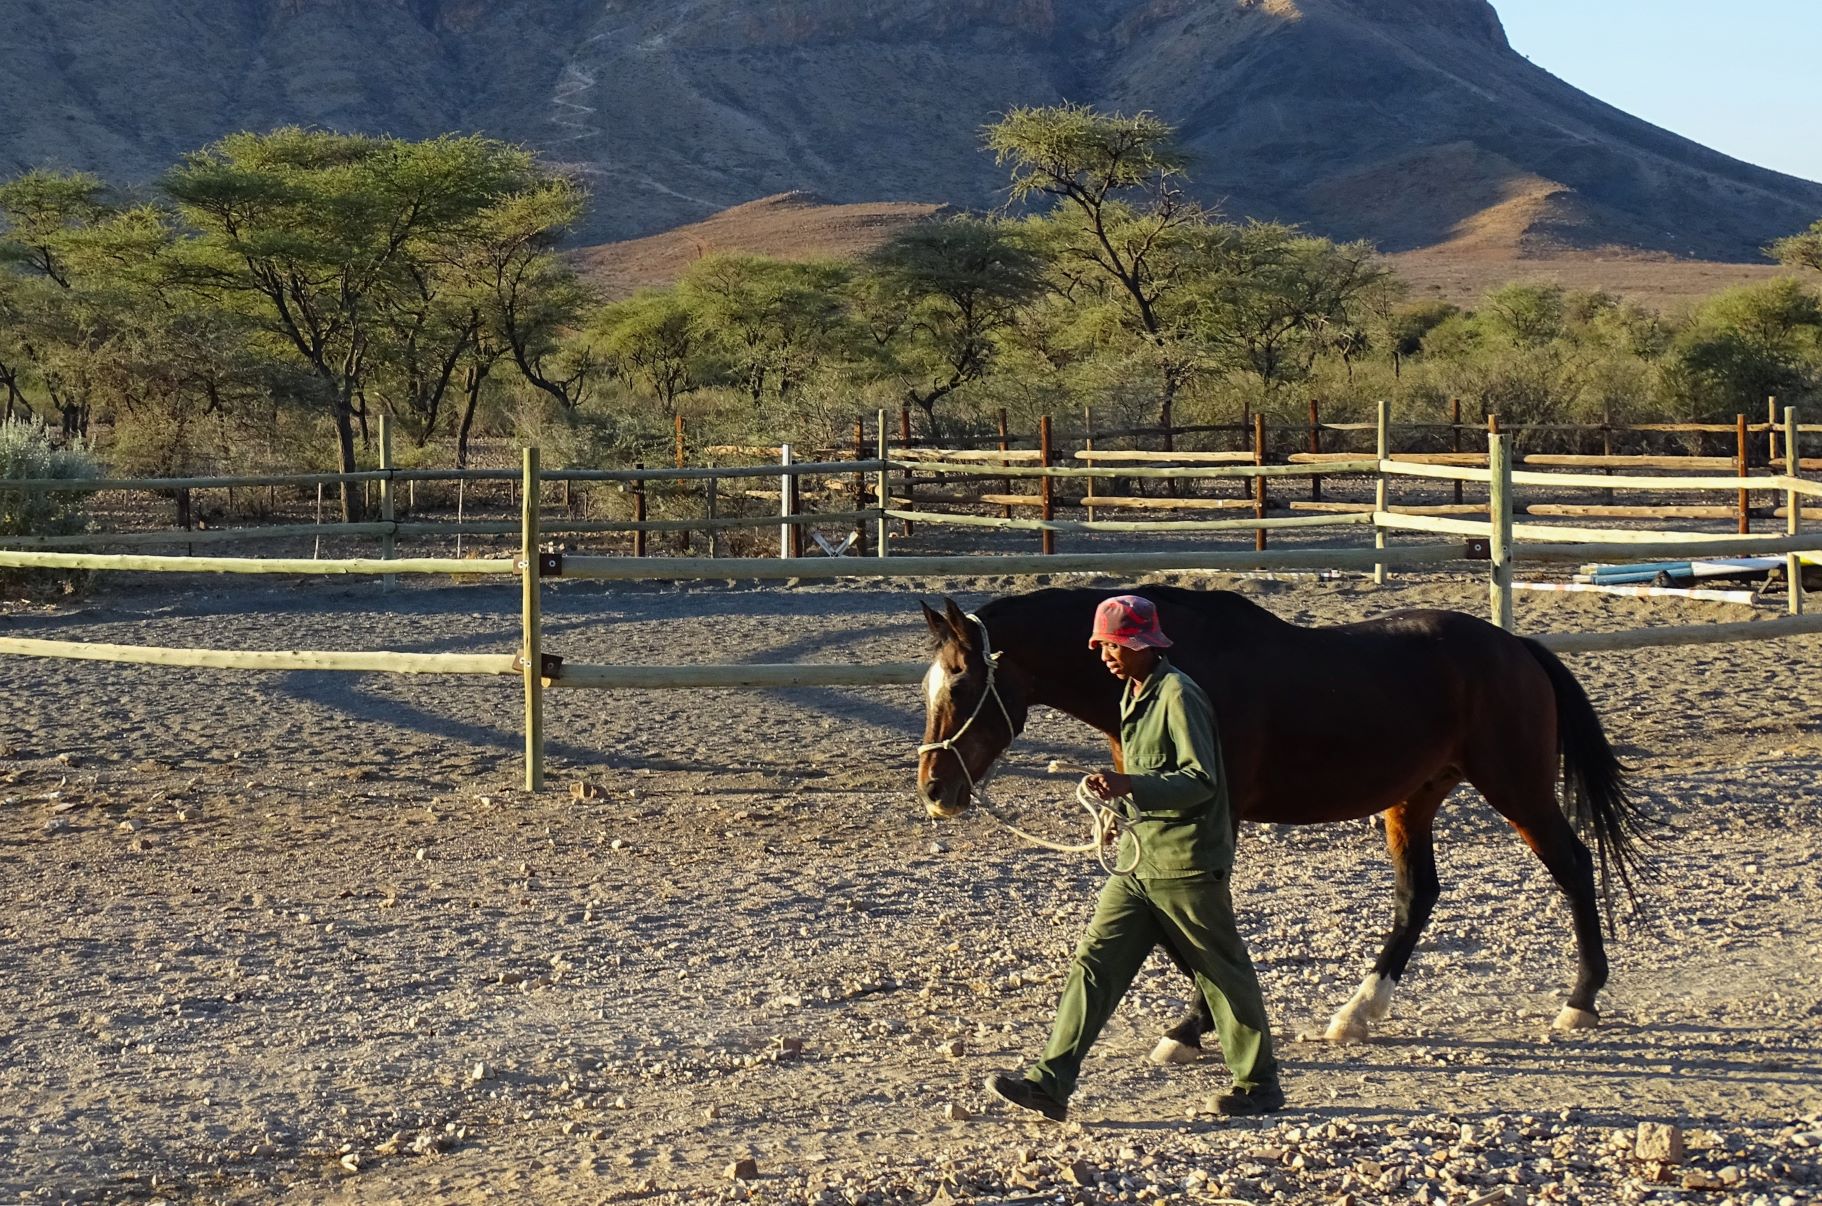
[1319, 724]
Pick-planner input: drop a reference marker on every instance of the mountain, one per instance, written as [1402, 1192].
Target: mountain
[1409, 122]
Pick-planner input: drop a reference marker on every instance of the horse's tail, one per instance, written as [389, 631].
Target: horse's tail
[1595, 796]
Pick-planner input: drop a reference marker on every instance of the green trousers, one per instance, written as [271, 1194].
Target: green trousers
[1196, 917]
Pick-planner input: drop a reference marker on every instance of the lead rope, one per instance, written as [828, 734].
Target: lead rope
[1104, 821]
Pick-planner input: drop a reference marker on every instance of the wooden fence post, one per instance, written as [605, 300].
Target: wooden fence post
[1742, 457]
[1259, 481]
[1174, 485]
[904, 441]
[683, 538]
[860, 486]
[1455, 438]
[1048, 485]
[1793, 522]
[797, 529]
[1315, 447]
[639, 512]
[531, 645]
[710, 501]
[784, 500]
[883, 487]
[388, 542]
[1771, 430]
[1087, 446]
[1499, 517]
[1607, 447]
[1005, 445]
[1382, 443]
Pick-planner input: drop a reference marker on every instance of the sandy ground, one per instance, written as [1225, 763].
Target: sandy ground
[299, 937]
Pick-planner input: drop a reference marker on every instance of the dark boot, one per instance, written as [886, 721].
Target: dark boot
[1260, 1099]
[1026, 1095]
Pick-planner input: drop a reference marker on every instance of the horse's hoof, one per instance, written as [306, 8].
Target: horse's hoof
[1348, 1027]
[1170, 1051]
[1572, 1018]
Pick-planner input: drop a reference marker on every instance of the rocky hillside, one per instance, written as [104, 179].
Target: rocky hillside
[1410, 122]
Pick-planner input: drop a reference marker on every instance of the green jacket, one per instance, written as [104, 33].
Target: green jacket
[1181, 813]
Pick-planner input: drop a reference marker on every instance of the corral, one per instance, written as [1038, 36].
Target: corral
[298, 935]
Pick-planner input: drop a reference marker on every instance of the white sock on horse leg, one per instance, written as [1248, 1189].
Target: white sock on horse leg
[1371, 1002]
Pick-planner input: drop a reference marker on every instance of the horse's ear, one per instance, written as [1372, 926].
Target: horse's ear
[958, 621]
[939, 628]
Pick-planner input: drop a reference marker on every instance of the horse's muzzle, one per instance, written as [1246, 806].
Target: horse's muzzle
[940, 799]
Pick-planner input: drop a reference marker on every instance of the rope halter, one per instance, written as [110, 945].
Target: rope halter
[1104, 821]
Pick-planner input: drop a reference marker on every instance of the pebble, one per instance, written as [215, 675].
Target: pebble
[955, 1112]
[954, 1048]
[745, 1169]
[479, 1073]
[1659, 1142]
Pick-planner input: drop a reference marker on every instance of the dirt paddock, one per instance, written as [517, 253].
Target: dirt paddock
[299, 937]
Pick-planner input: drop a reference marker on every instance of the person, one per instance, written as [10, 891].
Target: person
[1179, 842]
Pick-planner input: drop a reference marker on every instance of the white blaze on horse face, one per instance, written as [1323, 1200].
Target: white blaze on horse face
[936, 685]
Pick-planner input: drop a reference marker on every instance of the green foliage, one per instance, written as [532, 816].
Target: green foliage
[653, 343]
[939, 300]
[1800, 250]
[773, 322]
[1747, 344]
[27, 453]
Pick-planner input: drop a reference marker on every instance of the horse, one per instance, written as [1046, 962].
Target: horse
[1323, 724]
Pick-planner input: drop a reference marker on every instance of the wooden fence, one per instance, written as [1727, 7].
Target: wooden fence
[1454, 543]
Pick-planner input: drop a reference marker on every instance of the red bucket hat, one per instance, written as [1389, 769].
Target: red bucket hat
[1130, 621]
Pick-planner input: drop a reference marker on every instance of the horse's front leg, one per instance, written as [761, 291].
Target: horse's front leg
[1409, 839]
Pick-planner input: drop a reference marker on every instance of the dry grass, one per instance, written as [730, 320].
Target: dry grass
[790, 226]
[1493, 246]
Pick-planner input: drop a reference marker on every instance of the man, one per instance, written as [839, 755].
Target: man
[1180, 834]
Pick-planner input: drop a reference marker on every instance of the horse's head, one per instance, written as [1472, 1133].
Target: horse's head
[973, 707]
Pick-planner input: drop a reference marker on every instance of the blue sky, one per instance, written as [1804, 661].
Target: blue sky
[1741, 76]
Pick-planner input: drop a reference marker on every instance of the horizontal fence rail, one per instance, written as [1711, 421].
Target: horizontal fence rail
[738, 676]
[255, 659]
[459, 567]
[675, 569]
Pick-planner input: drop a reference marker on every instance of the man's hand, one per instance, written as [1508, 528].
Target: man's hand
[1109, 785]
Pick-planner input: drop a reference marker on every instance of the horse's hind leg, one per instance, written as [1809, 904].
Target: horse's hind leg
[1517, 772]
[1409, 839]
[1553, 839]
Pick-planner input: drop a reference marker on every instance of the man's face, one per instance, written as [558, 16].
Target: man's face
[1127, 664]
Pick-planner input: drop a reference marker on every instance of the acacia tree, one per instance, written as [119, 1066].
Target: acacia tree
[652, 341]
[50, 327]
[939, 297]
[1268, 299]
[1115, 182]
[316, 236]
[773, 320]
[1802, 250]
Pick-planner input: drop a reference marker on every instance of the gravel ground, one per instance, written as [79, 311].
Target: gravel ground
[299, 937]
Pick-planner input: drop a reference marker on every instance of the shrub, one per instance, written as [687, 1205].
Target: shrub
[26, 452]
